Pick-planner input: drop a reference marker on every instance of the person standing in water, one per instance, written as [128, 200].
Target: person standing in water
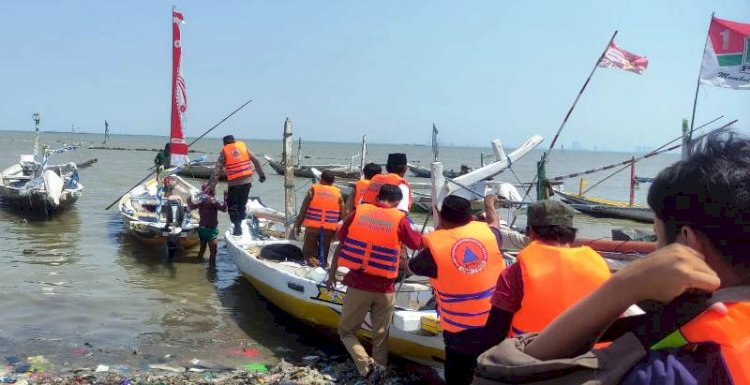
[208, 232]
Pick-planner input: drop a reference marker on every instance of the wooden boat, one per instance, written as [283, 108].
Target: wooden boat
[201, 170]
[423, 172]
[40, 188]
[154, 217]
[300, 291]
[604, 208]
[302, 171]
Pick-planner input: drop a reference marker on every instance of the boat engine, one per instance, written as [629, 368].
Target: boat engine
[175, 214]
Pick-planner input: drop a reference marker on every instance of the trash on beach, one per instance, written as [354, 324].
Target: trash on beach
[256, 367]
[168, 368]
[310, 360]
[101, 368]
[39, 364]
[243, 352]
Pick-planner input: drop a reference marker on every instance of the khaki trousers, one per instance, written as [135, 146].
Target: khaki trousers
[312, 243]
[356, 305]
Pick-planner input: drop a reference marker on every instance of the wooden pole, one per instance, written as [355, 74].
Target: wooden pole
[362, 158]
[686, 134]
[632, 181]
[698, 82]
[289, 198]
[299, 151]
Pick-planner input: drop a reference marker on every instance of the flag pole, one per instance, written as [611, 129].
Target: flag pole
[543, 161]
[698, 82]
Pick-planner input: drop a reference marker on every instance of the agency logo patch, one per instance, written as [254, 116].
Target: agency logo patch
[469, 256]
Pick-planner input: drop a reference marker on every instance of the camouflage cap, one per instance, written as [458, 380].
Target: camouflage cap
[550, 213]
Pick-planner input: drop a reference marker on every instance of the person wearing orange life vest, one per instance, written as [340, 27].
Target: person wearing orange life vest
[321, 211]
[240, 165]
[549, 276]
[371, 239]
[396, 167]
[368, 172]
[702, 215]
[463, 260]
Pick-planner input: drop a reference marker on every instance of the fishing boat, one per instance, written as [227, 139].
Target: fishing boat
[201, 170]
[302, 171]
[158, 211]
[274, 267]
[605, 208]
[38, 187]
[423, 172]
[154, 216]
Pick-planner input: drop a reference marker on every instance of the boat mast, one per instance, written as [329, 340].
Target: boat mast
[289, 204]
[36, 118]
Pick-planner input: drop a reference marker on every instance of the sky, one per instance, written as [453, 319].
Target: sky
[479, 70]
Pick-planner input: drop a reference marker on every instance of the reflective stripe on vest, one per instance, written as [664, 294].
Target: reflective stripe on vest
[731, 331]
[554, 279]
[469, 263]
[371, 194]
[237, 162]
[323, 210]
[371, 244]
[359, 190]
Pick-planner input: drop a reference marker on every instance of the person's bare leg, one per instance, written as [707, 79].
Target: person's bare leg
[212, 252]
[202, 250]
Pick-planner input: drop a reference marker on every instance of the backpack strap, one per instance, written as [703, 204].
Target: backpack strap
[652, 327]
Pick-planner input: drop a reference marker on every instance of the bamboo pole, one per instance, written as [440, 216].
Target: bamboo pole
[289, 198]
[698, 81]
[632, 182]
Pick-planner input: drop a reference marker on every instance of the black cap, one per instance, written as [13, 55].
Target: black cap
[396, 160]
[228, 139]
[327, 176]
[456, 210]
[390, 193]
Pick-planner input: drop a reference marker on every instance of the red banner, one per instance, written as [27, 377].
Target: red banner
[178, 147]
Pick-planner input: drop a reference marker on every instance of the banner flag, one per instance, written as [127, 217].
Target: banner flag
[177, 146]
[726, 59]
[616, 57]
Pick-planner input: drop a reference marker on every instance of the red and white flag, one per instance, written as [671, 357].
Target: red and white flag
[726, 59]
[616, 57]
[178, 148]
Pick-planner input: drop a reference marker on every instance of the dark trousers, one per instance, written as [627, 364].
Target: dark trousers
[462, 350]
[237, 201]
[459, 367]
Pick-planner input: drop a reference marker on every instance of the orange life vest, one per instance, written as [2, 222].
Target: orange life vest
[323, 210]
[469, 263]
[371, 244]
[554, 279]
[371, 194]
[237, 162]
[730, 331]
[359, 190]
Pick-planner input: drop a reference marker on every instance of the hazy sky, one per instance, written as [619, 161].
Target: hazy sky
[339, 69]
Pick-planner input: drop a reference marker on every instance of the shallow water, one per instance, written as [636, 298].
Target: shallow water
[78, 290]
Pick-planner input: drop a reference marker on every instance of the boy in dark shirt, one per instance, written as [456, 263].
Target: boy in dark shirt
[208, 209]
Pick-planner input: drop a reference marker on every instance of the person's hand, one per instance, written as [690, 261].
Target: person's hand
[297, 229]
[331, 282]
[262, 178]
[489, 200]
[666, 273]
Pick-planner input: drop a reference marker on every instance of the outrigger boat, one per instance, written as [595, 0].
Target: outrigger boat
[158, 211]
[605, 208]
[300, 290]
[38, 187]
[201, 170]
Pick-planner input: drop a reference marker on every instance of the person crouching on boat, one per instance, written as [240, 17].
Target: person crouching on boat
[371, 240]
[321, 211]
[396, 167]
[463, 260]
[240, 165]
[208, 232]
[528, 295]
[369, 171]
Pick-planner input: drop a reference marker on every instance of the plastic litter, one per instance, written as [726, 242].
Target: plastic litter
[39, 364]
[101, 368]
[256, 367]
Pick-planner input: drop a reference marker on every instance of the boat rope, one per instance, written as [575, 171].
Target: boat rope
[605, 178]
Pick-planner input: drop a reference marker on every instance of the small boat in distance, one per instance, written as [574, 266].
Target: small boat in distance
[40, 188]
[200, 170]
[605, 208]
